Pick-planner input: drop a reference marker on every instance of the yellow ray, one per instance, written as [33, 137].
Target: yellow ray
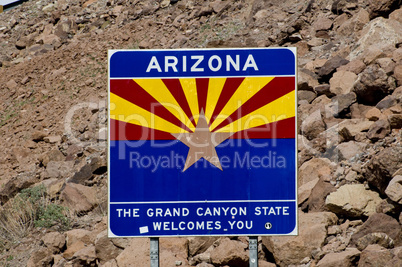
[248, 88]
[190, 91]
[214, 91]
[126, 111]
[158, 90]
[279, 109]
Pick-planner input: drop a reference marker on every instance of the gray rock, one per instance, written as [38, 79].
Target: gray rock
[387, 102]
[340, 105]
[323, 89]
[331, 65]
[305, 95]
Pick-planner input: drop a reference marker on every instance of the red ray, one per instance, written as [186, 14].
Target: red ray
[176, 90]
[131, 91]
[278, 129]
[229, 88]
[278, 87]
[202, 92]
[122, 131]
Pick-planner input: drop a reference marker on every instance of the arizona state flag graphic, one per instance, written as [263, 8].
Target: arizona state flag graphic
[202, 142]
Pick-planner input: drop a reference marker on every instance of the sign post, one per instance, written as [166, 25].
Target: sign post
[202, 142]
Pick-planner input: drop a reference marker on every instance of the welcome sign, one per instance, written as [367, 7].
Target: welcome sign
[202, 142]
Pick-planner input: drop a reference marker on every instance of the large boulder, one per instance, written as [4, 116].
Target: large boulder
[381, 168]
[346, 258]
[136, 254]
[105, 249]
[353, 200]
[288, 250]
[230, 252]
[381, 32]
[378, 223]
[372, 85]
[376, 255]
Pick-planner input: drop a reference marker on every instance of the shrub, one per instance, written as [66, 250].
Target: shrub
[30, 208]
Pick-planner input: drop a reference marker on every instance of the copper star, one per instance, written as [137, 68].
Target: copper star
[202, 143]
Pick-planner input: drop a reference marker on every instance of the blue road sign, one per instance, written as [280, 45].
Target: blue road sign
[202, 142]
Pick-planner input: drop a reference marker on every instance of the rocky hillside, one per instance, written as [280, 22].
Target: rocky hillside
[53, 93]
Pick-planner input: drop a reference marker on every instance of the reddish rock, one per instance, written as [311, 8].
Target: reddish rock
[72, 249]
[375, 255]
[230, 252]
[288, 250]
[305, 95]
[354, 24]
[387, 64]
[136, 254]
[82, 235]
[331, 65]
[382, 167]
[341, 104]
[373, 114]
[398, 74]
[105, 249]
[85, 256]
[11, 85]
[381, 7]
[200, 244]
[54, 241]
[306, 80]
[38, 136]
[20, 44]
[379, 223]
[347, 258]
[316, 199]
[40, 257]
[397, 56]
[177, 246]
[342, 82]
[394, 189]
[356, 66]
[322, 24]
[348, 150]
[79, 198]
[313, 125]
[378, 130]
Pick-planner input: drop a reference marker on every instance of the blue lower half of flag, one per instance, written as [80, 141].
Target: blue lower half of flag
[252, 169]
[253, 194]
